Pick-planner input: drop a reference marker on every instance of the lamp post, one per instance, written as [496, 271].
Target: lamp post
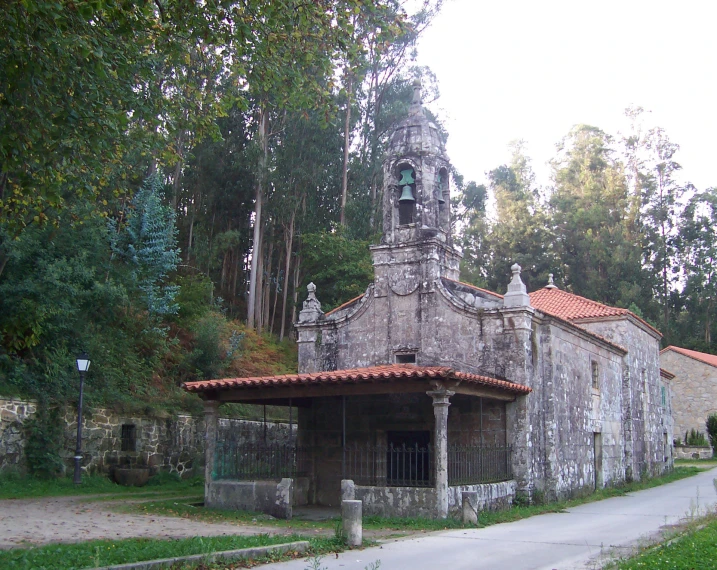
[83, 364]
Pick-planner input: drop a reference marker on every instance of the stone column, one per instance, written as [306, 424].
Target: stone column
[211, 412]
[440, 447]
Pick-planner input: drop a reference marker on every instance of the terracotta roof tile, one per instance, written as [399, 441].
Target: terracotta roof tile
[346, 304]
[573, 307]
[710, 359]
[666, 374]
[357, 375]
[486, 291]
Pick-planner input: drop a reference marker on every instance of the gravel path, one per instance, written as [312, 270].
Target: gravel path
[74, 519]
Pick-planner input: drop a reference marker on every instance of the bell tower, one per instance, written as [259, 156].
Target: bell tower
[416, 204]
[416, 180]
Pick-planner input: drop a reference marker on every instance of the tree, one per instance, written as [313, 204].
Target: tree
[697, 244]
[148, 243]
[589, 210]
[519, 233]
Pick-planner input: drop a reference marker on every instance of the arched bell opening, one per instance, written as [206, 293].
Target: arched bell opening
[406, 194]
[443, 196]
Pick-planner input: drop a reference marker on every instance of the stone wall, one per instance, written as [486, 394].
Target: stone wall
[648, 423]
[397, 501]
[12, 440]
[491, 496]
[692, 452]
[169, 443]
[275, 498]
[694, 391]
[579, 445]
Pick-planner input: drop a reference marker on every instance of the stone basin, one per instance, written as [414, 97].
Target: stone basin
[131, 476]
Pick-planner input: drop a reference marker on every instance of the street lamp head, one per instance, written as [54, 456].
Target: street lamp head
[83, 362]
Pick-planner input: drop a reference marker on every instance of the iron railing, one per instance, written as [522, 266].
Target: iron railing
[390, 465]
[258, 461]
[413, 465]
[470, 465]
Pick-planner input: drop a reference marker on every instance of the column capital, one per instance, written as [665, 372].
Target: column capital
[440, 396]
[211, 407]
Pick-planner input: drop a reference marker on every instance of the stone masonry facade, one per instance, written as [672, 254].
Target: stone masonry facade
[694, 390]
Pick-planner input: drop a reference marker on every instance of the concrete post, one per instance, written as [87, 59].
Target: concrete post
[470, 507]
[440, 447]
[211, 411]
[351, 515]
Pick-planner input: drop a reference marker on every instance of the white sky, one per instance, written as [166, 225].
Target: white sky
[510, 69]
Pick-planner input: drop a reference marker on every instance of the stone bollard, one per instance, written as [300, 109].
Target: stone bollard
[348, 490]
[470, 507]
[351, 514]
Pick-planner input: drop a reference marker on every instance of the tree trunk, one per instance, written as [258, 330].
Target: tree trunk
[256, 244]
[267, 286]
[296, 289]
[289, 239]
[259, 284]
[276, 293]
[345, 172]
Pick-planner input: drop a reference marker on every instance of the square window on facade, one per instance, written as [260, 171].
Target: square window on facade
[406, 358]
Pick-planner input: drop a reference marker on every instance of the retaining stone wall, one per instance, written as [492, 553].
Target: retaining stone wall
[168, 443]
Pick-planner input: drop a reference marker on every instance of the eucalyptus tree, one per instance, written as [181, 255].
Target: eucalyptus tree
[697, 246]
[589, 207]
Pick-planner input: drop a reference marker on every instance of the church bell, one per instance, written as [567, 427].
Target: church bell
[406, 195]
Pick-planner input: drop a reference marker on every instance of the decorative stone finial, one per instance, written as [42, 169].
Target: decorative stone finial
[417, 102]
[312, 308]
[517, 295]
[550, 284]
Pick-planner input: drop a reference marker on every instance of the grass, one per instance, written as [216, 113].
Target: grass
[699, 463]
[13, 486]
[185, 509]
[696, 548]
[96, 553]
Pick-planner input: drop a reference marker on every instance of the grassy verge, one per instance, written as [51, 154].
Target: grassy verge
[184, 509]
[700, 463]
[97, 553]
[696, 548]
[17, 487]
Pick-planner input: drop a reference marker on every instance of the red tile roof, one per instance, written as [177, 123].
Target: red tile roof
[710, 359]
[357, 375]
[492, 293]
[570, 307]
[346, 304]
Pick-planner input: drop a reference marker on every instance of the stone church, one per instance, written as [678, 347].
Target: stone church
[425, 388]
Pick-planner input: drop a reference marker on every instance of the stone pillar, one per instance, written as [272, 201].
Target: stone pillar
[470, 507]
[352, 518]
[348, 490]
[440, 448]
[211, 412]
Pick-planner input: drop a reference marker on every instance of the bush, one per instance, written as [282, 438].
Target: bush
[711, 425]
[44, 442]
[696, 438]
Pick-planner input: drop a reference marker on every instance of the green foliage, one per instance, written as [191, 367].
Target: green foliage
[96, 553]
[695, 437]
[696, 548]
[44, 442]
[340, 267]
[711, 425]
[148, 244]
[207, 355]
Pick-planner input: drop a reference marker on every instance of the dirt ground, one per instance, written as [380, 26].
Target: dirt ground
[26, 522]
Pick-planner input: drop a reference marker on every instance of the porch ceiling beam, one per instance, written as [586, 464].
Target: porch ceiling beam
[359, 389]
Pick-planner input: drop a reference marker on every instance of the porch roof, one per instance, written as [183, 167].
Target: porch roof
[391, 378]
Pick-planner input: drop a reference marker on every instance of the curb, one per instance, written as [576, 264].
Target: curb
[227, 555]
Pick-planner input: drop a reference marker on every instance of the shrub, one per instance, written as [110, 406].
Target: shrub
[711, 425]
[44, 442]
[696, 438]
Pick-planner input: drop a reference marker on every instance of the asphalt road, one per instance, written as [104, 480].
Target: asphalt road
[584, 537]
